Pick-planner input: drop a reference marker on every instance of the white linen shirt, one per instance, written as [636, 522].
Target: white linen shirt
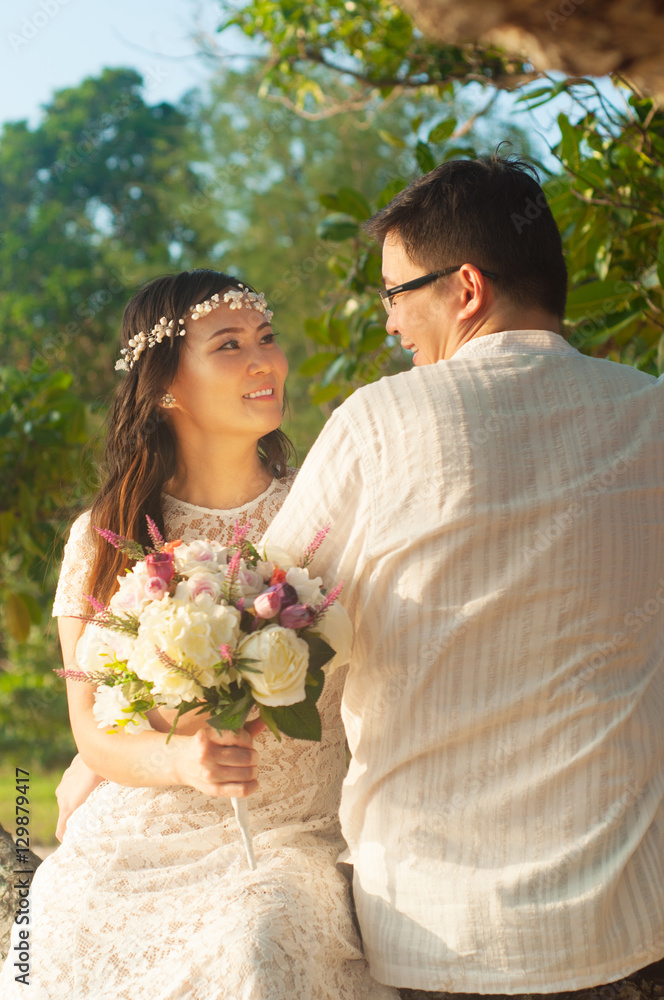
[499, 521]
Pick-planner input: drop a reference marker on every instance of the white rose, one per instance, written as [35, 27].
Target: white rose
[172, 687]
[265, 570]
[274, 554]
[198, 556]
[251, 583]
[283, 659]
[336, 629]
[131, 596]
[108, 709]
[121, 643]
[201, 588]
[308, 591]
[183, 632]
[92, 650]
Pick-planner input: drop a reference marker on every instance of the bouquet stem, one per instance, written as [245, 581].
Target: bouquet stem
[242, 816]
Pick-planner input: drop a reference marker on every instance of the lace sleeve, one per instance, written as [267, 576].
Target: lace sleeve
[76, 565]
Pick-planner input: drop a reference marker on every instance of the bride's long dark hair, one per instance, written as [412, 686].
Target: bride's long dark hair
[140, 454]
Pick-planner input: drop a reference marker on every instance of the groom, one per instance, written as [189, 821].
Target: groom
[498, 516]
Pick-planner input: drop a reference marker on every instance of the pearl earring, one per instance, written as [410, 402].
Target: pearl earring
[167, 400]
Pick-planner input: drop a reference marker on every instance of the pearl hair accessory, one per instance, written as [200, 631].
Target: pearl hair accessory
[236, 297]
[140, 343]
[167, 399]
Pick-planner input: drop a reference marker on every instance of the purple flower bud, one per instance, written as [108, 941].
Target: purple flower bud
[275, 599]
[160, 565]
[297, 616]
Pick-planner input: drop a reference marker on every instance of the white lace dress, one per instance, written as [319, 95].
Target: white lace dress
[149, 896]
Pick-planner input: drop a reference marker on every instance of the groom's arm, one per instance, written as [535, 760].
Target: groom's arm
[334, 486]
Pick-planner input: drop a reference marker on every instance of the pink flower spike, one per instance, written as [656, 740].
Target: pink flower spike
[97, 605]
[233, 565]
[240, 533]
[332, 596]
[311, 550]
[110, 536]
[72, 675]
[154, 533]
[226, 652]
[167, 660]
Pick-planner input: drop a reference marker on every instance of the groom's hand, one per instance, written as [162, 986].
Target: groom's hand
[219, 763]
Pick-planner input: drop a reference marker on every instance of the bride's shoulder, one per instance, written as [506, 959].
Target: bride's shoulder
[81, 528]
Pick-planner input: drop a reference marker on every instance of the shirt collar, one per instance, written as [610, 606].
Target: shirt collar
[515, 342]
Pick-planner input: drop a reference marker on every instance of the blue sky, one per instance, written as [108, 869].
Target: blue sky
[49, 44]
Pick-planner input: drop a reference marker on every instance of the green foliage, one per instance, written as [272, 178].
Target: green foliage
[608, 207]
[90, 210]
[34, 727]
[367, 47]
[43, 425]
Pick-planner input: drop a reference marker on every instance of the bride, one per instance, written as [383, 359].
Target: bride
[149, 894]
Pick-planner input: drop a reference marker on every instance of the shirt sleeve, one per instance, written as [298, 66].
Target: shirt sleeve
[77, 563]
[334, 487]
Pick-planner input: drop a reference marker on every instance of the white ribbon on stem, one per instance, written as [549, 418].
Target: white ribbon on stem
[242, 816]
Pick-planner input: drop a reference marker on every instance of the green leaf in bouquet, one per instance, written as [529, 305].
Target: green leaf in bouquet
[246, 622]
[268, 719]
[233, 716]
[250, 550]
[314, 685]
[320, 651]
[242, 665]
[300, 721]
[184, 706]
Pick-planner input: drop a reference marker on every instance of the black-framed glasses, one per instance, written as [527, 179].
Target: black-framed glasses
[388, 294]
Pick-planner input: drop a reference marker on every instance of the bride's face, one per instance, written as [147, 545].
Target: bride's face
[231, 374]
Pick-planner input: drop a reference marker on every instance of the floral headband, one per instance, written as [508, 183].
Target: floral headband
[236, 297]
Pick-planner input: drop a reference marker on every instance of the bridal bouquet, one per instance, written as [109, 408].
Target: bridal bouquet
[213, 629]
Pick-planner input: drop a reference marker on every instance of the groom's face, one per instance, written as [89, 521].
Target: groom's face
[419, 316]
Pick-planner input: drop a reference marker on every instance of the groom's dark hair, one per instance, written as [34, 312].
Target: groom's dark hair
[490, 212]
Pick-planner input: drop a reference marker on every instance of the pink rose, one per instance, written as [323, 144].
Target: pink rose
[203, 583]
[160, 565]
[270, 603]
[155, 588]
[130, 595]
[267, 605]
